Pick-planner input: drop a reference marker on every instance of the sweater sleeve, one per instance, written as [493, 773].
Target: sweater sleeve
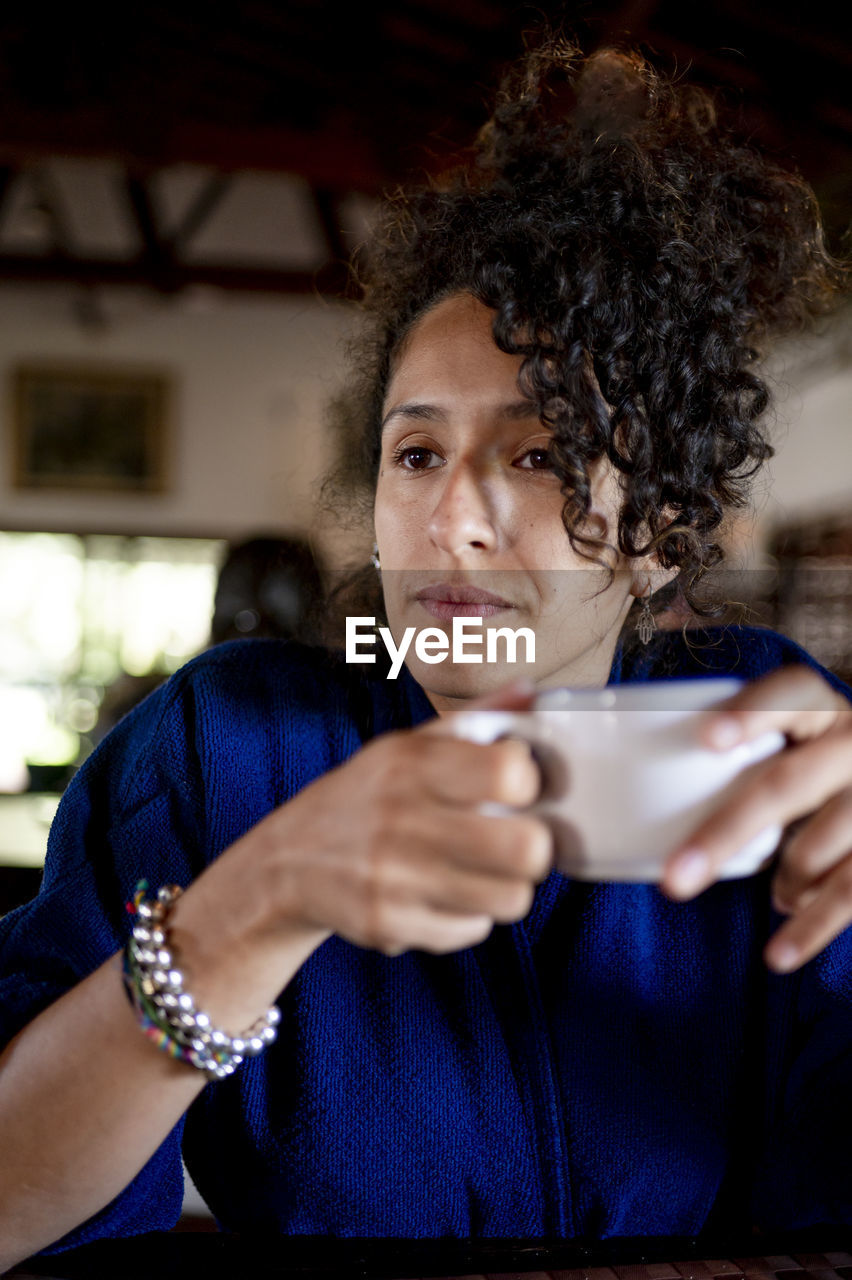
[236, 732]
[130, 812]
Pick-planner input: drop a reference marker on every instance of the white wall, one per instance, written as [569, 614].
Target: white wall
[813, 468]
[250, 374]
[810, 426]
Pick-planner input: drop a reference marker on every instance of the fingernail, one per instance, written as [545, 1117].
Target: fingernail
[725, 732]
[689, 873]
[783, 957]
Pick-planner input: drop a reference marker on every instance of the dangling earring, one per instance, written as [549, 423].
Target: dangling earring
[646, 626]
[374, 558]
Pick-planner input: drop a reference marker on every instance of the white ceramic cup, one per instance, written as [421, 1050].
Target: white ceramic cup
[624, 777]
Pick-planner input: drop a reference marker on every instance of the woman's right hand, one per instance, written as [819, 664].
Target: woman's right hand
[391, 850]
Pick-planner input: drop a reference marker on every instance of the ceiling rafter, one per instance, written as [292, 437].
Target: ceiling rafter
[342, 159]
[210, 195]
[352, 101]
[330, 280]
[157, 260]
[8, 173]
[327, 208]
[51, 202]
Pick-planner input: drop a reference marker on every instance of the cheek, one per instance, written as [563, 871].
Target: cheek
[546, 546]
[382, 508]
[560, 596]
[400, 515]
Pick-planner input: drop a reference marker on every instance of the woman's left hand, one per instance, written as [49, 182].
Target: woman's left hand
[808, 783]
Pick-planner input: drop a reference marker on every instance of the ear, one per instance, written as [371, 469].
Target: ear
[647, 576]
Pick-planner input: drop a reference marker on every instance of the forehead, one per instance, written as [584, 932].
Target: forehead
[451, 348]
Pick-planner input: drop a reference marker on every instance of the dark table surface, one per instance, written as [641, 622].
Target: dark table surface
[822, 1253]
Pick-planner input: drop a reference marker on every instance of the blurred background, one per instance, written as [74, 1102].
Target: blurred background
[180, 188]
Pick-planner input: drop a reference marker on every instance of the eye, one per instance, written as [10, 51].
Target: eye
[538, 459]
[416, 457]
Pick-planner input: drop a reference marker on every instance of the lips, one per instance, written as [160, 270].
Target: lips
[446, 601]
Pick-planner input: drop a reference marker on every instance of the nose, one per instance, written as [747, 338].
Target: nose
[464, 518]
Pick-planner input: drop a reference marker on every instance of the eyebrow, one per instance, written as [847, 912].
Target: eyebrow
[514, 411]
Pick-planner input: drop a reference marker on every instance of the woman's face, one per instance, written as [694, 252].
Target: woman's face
[468, 517]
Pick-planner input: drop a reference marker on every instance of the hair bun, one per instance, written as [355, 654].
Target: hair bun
[556, 93]
[612, 94]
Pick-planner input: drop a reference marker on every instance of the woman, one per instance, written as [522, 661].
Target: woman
[556, 410]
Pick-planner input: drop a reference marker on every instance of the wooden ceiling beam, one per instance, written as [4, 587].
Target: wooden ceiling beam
[338, 158]
[7, 175]
[143, 213]
[328, 215]
[200, 210]
[329, 281]
[50, 200]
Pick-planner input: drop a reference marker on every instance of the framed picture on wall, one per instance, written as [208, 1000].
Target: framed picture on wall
[89, 427]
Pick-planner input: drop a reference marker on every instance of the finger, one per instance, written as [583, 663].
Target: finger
[817, 846]
[772, 792]
[394, 892]
[416, 926]
[806, 934]
[517, 847]
[501, 898]
[511, 845]
[469, 773]
[795, 700]
[803, 901]
[443, 933]
[412, 852]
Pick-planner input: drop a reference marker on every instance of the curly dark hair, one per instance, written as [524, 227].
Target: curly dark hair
[638, 256]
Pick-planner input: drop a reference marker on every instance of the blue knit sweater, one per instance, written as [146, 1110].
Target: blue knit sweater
[615, 1065]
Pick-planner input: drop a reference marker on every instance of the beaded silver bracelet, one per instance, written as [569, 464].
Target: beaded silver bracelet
[166, 1012]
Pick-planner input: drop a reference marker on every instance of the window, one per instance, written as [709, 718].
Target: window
[78, 614]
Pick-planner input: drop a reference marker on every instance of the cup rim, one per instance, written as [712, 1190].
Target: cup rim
[679, 694]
